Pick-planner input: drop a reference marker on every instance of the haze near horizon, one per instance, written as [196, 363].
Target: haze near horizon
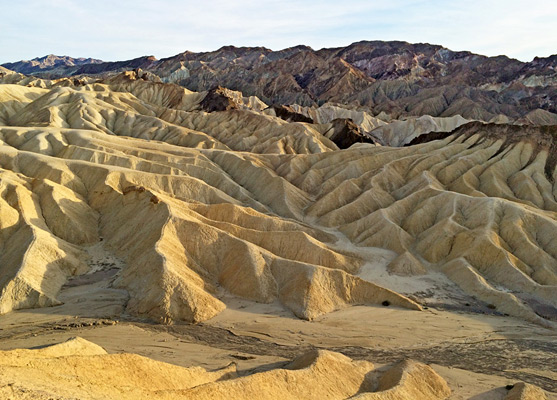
[116, 31]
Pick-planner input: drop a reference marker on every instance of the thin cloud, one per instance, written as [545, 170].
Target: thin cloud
[116, 30]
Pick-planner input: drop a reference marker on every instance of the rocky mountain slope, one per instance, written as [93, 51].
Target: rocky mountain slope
[395, 78]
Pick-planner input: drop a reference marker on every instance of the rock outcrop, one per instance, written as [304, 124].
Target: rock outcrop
[344, 133]
[287, 113]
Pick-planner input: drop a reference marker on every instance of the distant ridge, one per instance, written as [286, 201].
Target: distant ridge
[48, 63]
[396, 78]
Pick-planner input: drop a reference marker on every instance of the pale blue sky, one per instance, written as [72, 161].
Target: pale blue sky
[118, 30]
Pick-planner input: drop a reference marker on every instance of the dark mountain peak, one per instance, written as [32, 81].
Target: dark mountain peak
[219, 98]
[289, 51]
[143, 62]
[545, 61]
[299, 47]
[243, 49]
[48, 62]
[52, 59]
[394, 46]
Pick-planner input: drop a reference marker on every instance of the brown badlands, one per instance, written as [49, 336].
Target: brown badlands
[161, 243]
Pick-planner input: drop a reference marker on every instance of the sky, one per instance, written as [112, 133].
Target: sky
[123, 29]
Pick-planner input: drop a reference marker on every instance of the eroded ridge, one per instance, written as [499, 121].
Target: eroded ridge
[78, 368]
[203, 204]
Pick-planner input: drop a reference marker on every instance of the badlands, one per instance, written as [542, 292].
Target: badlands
[162, 243]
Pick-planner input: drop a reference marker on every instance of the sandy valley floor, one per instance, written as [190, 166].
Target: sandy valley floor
[477, 354]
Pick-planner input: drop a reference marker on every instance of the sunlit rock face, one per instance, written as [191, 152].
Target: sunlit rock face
[199, 204]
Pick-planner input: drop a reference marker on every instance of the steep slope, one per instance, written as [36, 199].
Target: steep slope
[329, 112]
[400, 132]
[396, 78]
[202, 205]
[96, 181]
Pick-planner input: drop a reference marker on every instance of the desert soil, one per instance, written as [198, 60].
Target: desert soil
[478, 354]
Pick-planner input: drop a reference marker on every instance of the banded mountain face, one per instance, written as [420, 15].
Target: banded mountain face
[395, 78]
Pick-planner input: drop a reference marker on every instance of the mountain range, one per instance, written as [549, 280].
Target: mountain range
[397, 79]
[248, 223]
